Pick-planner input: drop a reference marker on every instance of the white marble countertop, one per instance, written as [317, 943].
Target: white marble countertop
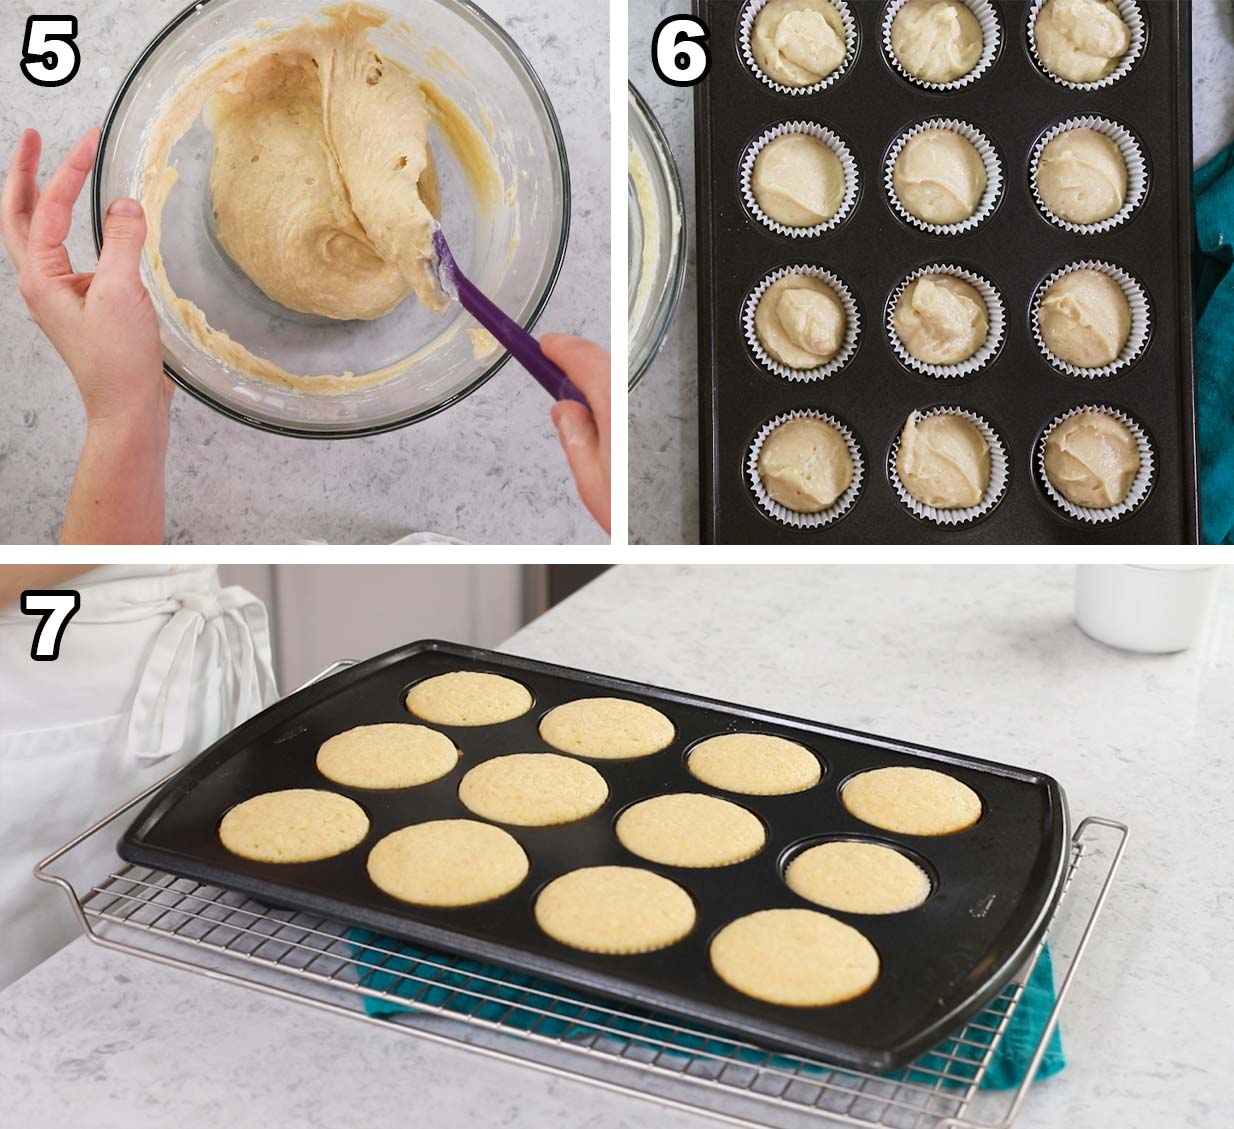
[663, 409]
[985, 661]
[489, 470]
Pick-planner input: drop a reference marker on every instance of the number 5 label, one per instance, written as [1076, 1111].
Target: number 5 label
[679, 51]
[56, 607]
[50, 56]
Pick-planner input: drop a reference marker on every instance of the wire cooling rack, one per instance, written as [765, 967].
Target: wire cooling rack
[327, 964]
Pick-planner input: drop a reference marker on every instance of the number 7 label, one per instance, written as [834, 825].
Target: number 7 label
[56, 607]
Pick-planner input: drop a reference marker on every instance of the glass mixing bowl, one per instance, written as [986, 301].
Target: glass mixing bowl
[656, 273]
[513, 254]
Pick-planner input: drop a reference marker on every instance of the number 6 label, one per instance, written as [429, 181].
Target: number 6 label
[57, 607]
[50, 56]
[679, 51]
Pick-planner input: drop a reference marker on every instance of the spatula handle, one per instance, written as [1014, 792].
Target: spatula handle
[522, 346]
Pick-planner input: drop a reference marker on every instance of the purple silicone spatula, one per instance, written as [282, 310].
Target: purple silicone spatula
[522, 346]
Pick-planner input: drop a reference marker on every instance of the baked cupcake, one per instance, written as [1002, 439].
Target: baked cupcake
[800, 322]
[798, 180]
[936, 41]
[386, 756]
[941, 319]
[447, 862]
[468, 698]
[756, 764]
[607, 728]
[798, 42]
[1080, 40]
[805, 465]
[293, 825]
[943, 461]
[911, 801]
[532, 790]
[857, 877]
[1092, 458]
[690, 829]
[1084, 318]
[795, 958]
[1081, 177]
[939, 177]
[615, 909]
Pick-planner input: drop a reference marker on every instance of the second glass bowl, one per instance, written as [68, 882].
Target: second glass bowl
[657, 237]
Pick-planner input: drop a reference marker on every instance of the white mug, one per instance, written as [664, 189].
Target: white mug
[1154, 609]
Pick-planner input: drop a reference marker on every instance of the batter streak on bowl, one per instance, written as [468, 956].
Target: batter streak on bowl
[323, 184]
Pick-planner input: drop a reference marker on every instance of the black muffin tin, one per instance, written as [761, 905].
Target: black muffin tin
[1014, 103]
[994, 885]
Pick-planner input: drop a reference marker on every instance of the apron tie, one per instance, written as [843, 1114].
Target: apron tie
[232, 624]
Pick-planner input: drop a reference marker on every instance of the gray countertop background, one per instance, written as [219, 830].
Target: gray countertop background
[983, 661]
[489, 470]
[663, 408]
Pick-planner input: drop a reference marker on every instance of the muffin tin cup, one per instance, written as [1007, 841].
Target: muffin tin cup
[793, 518]
[993, 174]
[1141, 320]
[1140, 485]
[852, 326]
[848, 163]
[995, 314]
[745, 31]
[1133, 159]
[1000, 474]
[1132, 16]
[991, 36]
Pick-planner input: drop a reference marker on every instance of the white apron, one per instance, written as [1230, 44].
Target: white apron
[159, 662]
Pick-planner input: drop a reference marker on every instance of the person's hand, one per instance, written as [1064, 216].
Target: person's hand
[102, 324]
[584, 434]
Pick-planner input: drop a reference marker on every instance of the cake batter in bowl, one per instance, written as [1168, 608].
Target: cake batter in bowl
[503, 183]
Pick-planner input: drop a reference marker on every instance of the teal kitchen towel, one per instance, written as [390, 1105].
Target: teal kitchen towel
[519, 1000]
[1214, 344]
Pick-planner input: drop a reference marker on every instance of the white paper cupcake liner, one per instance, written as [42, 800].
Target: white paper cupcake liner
[783, 514]
[993, 175]
[745, 29]
[991, 34]
[1141, 320]
[1133, 159]
[852, 325]
[1000, 474]
[995, 315]
[1132, 17]
[847, 163]
[1140, 485]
